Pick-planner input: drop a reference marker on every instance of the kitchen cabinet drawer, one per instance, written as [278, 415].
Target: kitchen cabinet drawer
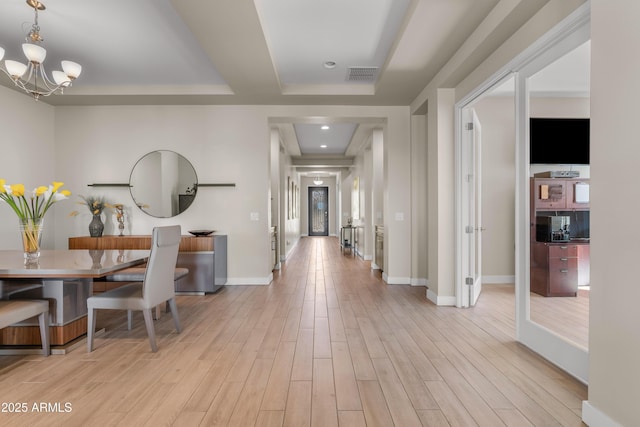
[563, 251]
[561, 264]
[564, 281]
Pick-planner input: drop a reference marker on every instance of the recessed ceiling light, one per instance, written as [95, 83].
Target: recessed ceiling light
[329, 65]
[323, 146]
[325, 127]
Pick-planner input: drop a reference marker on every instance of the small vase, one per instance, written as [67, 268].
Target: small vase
[96, 227]
[120, 218]
[31, 233]
[96, 256]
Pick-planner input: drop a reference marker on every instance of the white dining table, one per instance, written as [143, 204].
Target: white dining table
[64, 278]
[65, 263]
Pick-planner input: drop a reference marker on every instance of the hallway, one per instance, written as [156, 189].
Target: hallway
[326, 344]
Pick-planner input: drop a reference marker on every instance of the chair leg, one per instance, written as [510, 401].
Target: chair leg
[174, 312]
[129, 319]
[43, 320]
[91, 326]
[148, 321]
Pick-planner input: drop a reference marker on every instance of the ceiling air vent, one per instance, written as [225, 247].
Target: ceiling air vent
[362, 74]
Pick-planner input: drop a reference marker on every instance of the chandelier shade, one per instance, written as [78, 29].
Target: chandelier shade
[32, 77]
[34, 53]
[15, 69]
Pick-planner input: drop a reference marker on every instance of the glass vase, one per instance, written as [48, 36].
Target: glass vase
[31, 233]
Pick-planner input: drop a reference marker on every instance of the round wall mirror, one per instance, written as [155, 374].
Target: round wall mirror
[163, 184]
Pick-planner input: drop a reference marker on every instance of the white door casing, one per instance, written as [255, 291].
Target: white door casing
[471, 207]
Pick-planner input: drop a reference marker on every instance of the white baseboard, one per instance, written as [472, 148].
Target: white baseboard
[285, 256]
[239, 281]
[390, 280]
[499, 280]
[397, 280]
[367, 257]
[593, 417]
[444, 301]
[419, 282]
[375, 266]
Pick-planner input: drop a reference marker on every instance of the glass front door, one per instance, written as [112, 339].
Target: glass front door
[318, 211]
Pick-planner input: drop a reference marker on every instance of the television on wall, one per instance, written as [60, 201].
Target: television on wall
[560, 141]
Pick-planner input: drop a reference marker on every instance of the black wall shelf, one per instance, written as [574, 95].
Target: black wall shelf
[108, 184]
[116, 184]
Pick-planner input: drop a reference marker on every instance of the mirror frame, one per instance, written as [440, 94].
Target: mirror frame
[174, 173]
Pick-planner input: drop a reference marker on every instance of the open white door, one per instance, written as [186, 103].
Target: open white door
[471, 208]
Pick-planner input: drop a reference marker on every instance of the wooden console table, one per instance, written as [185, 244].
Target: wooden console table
[204, 256]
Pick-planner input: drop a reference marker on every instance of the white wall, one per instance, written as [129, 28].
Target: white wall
[290, 227]
[614, 318]
[397, 206]
[377, 188]
[497, 116]
[28, 151]
[84, 145]
[441, 192]
[101, 144]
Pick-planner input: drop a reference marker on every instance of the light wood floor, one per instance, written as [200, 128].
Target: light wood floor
[566, 316]
[326, 344]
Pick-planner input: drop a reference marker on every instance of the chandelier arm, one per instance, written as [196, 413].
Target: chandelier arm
[33, 91]
[46, 81]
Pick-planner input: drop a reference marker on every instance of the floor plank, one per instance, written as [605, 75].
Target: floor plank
[326, 344]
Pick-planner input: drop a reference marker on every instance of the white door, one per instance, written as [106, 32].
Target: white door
[471, 208]
[531, 81]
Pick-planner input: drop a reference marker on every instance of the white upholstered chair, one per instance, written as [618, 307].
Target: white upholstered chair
[156, 288]
[13, 311]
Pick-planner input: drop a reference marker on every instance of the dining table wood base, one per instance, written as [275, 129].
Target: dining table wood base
[65, 279]
[30, 335]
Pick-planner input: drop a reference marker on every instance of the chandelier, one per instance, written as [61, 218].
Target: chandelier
[318, 181]
[32, 77]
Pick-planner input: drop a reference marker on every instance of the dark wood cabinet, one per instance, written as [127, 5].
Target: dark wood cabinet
[555, 269]
[549, 193]
[558, 268]
[577, 194]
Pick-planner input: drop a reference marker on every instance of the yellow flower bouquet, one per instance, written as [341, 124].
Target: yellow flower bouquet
[31, 210]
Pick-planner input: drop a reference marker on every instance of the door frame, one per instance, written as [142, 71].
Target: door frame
[570, 32]
[473, 162]
[309, 210]
[549, 344]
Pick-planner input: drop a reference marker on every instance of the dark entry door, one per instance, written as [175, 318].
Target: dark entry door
[318, 211]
